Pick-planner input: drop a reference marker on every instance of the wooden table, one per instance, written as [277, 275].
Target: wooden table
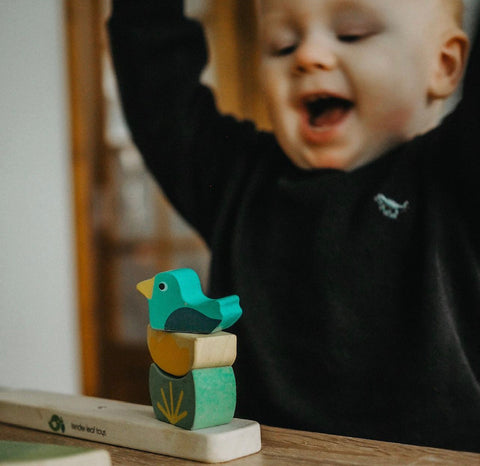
[280, 447]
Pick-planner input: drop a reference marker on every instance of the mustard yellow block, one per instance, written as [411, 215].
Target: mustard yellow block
[179, 353]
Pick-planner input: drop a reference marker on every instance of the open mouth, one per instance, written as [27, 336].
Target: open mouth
[326, 111]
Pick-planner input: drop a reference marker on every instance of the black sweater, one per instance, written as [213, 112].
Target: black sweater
[360, 290]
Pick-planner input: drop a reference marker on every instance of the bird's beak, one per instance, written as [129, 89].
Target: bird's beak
[146, 287]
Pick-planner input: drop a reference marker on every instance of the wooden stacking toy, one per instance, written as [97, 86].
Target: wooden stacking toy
[192, 384]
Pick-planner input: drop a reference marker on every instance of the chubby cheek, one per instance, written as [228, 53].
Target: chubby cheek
[278, 120]
[274, 93]
[390, 99]
[278, 107]
[397, 122]
[391, 112]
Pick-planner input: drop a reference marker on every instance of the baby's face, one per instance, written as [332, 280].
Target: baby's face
[346, 80]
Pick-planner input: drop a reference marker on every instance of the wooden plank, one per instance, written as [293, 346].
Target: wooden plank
[289, 447]
[126, 424]
[83, 25]
[280, 447]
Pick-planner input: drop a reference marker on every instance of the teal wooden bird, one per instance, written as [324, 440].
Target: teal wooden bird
[176, 303]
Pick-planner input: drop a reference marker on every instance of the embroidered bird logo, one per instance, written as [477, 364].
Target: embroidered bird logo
[176, 303]
[389, 207]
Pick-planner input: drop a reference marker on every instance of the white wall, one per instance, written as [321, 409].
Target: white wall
[38, 329]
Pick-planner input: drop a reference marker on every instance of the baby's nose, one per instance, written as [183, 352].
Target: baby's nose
[314, 53]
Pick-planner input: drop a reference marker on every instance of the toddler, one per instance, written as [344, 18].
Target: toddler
[351, 233]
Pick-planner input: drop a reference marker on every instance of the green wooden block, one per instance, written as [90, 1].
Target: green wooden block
[41, 454]
[202, 398]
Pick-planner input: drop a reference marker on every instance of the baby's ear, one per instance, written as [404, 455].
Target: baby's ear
[449, 65]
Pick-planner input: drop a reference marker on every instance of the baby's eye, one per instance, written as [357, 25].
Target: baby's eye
[283, 51]
[350, 35]
[350, 38]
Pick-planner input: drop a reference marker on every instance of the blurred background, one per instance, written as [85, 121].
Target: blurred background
[81, 222]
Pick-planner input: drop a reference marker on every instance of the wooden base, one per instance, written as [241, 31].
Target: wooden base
[126, 424]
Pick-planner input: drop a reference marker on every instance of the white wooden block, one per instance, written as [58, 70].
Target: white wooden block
[127, 425]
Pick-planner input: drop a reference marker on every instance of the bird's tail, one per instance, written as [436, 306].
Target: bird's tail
[231, 310]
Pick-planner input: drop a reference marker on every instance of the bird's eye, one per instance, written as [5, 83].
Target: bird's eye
[162, 286]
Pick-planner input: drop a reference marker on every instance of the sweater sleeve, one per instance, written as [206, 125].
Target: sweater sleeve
[198, 156]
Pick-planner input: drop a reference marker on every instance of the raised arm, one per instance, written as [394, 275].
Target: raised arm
[196, 154]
